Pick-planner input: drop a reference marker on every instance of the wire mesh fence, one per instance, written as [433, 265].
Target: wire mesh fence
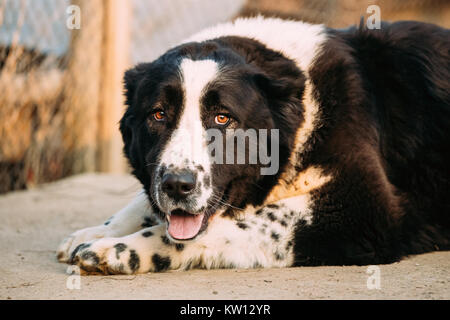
[56, 114]
[158, 25]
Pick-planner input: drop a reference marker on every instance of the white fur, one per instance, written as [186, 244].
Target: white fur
[299, 41]
[187, 141]
[226, 244]
[188, 147]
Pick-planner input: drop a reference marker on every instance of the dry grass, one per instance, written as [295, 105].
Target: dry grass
[31, 121]
[48, 109]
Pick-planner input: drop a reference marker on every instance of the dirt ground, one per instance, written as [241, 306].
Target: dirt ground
[34, 222]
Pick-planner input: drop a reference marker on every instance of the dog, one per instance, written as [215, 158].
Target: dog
[362, 122]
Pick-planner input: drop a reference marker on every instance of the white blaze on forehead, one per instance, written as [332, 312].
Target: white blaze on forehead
[195, 77]
[187, 144]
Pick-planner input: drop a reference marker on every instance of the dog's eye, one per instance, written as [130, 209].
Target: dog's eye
[222, 119]
[159, 115]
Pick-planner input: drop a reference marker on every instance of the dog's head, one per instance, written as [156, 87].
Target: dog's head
[192, 96]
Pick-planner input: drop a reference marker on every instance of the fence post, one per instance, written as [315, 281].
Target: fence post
[81, 89]
[115, 55]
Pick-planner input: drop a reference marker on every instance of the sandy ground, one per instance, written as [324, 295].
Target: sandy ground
[34, 222]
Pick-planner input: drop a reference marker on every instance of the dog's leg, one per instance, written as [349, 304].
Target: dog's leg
[261, 238]
[133, 217]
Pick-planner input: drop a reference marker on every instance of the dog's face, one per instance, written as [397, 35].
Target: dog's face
[191, 96]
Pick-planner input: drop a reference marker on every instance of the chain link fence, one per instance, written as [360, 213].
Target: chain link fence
[54, 81]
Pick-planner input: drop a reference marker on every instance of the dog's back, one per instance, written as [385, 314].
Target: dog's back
[393, 123]
[408, 71]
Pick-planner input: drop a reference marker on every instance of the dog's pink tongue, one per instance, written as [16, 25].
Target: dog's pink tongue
[185, 226]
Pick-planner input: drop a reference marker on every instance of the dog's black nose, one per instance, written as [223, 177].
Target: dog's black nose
[178, 186]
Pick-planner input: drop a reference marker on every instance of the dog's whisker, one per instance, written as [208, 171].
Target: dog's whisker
[151, 164]
[225, 203]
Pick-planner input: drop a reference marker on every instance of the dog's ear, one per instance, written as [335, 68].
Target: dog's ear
[131, 81]
[284, 96]
[276, 89]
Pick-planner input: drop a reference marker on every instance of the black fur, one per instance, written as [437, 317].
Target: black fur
[134, 261]
[160, 263]
[385, 95]
[147, 234]
[120, 247]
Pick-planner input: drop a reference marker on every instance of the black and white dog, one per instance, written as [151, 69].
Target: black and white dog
[363, 173]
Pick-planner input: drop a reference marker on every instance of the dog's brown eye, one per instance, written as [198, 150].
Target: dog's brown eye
[159, 115]
[222, 119]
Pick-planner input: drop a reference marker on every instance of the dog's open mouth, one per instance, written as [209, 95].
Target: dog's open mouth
[184, 225]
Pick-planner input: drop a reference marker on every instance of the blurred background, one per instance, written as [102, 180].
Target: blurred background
[61, 88]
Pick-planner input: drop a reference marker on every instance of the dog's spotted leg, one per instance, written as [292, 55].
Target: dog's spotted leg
[262, 238]
[133, 217]
[146, 250]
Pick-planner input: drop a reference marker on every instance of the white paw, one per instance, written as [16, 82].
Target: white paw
[69, 244]
[105, 256]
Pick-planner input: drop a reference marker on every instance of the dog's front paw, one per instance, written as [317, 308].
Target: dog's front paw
[105, 256]
[69, 244]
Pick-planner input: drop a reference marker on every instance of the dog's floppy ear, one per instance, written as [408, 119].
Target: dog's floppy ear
[131, 81]
[276, 89]
[284, 96]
